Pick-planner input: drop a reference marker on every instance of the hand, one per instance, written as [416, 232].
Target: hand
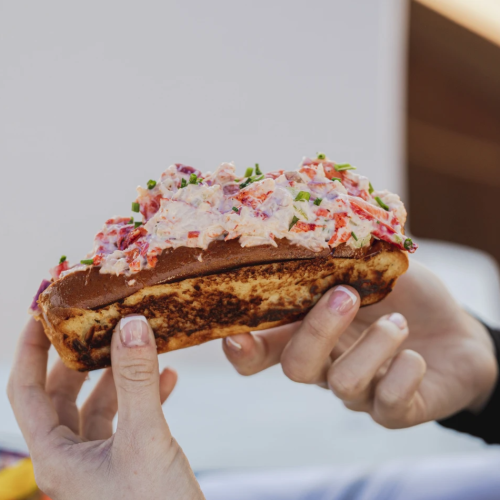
[414, 357]
[75, 453]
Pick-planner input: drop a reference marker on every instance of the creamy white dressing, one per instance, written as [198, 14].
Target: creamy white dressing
[257, 214]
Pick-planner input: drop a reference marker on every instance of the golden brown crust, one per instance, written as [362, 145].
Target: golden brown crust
[197, 309]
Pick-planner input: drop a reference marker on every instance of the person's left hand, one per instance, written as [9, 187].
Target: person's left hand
[414, 357]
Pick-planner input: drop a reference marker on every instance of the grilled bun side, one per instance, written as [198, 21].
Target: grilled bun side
[191, 308]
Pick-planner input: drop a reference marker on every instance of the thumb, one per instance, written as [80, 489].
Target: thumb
[134, 362]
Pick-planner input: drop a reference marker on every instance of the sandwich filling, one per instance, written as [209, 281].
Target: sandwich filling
[320, 205]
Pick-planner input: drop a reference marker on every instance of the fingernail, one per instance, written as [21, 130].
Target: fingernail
[398, 319]
[232, 344]
[342, 300]
[134, 331]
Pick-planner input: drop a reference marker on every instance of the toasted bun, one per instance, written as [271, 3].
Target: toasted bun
[230, 291]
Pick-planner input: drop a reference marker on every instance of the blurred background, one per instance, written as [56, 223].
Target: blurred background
[97, 97]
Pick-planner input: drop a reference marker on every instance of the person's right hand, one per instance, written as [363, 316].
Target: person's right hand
[414, 357]
[75, 453]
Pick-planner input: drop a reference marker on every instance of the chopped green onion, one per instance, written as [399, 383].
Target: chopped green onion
[370, 189]
[257, 169]
[336, 179]
[321, 156]
[408, 243]
[131, 221]
[354, 236]
[303, 196]
[378, 222]
[137, 224]
[318, 201]
[301, 212]
[151, 184]
[136, 207]
[249, 172]
[250, 180]
[236, 209]
[87, 262]
[62, 259]
[294, 221]
[381, 203]
[193, 179]
[340, 167]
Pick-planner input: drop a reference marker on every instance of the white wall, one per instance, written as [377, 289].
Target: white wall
[98, 96]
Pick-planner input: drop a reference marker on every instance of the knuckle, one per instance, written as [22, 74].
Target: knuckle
[245, 370]
[296, 372]
[390, 400]
[137, 371]
[316, 329]
[389, 422]
[248, 364]
[344, 387]
[358, 406]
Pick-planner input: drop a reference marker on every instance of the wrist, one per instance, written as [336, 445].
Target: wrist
[487, 372]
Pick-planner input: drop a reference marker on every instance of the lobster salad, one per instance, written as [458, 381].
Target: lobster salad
[321, 204]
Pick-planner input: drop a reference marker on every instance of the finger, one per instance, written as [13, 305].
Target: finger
[351, 376]
[251, 353]
[168, 381]
[134, 362]
[397, 402]
[63, 386]
[32, 406]
[99, 409]
[306, 358]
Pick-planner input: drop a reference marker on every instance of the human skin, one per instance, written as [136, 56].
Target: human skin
[402, 370]
[74, 452]
[414, 357]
